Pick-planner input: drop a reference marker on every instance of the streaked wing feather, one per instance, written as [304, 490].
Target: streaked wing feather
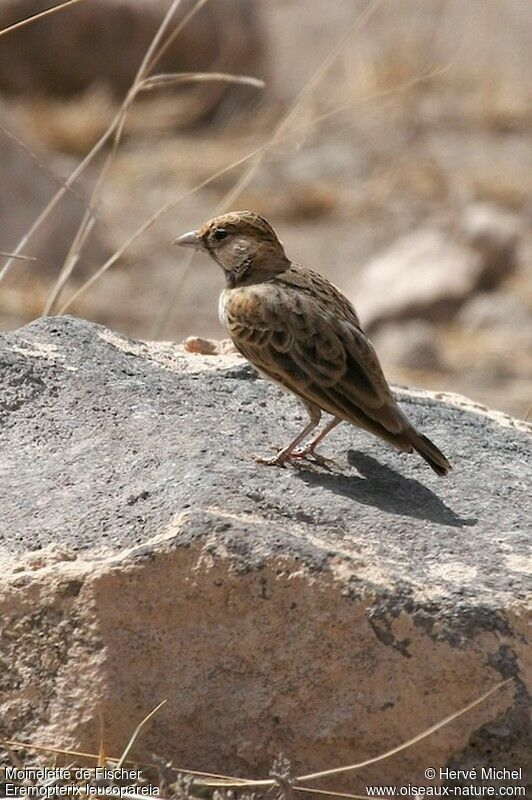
[316, 350]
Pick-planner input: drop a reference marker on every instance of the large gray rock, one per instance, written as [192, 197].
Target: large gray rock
[327, 614]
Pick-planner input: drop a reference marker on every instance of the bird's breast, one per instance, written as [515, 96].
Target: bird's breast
[245, 305]
[222, 308]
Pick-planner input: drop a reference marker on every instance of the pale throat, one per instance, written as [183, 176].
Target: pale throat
[238, 274]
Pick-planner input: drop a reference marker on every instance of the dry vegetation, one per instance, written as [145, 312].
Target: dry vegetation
[161, 778]
[372, 122]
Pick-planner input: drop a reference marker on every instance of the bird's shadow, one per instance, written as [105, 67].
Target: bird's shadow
[384, 488]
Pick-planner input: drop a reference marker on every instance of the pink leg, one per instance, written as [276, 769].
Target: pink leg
[287, 453]
[309, 449]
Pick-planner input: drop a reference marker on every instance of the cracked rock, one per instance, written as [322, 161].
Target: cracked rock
[326, 615]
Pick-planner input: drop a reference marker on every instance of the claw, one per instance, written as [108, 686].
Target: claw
[272, 461]
[327, 463]
[310, 454]
[281, 459]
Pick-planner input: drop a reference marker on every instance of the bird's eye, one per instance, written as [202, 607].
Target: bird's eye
[219, 234]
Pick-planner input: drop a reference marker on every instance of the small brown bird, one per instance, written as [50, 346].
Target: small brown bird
[299, 330]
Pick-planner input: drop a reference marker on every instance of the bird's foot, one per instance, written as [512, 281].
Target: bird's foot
[278, 460]
[295, 457]
[309, 454]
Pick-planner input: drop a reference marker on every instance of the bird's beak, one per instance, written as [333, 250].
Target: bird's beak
[189, 239]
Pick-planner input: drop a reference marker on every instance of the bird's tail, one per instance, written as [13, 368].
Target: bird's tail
[430, 453]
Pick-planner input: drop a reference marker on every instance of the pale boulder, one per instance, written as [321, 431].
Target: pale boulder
[432, 272]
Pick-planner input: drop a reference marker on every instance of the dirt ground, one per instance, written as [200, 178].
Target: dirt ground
[398, 113]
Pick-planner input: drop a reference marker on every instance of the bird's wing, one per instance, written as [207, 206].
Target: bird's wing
[311, 345]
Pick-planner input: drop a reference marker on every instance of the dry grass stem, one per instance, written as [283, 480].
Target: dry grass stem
[258, 155]
[147, 224]
[11, 745]
[136, 732]
[171, 79]
[150, 58]
[85, 227]
[163, 319]
[175, 33]
[216, 781]
[47, 210]
[18, 256]
[35, 17]
[35, 158]
[414, 740]
[115, 126]
[376, 759]
[140, 84]
[293, 113]
[70, 262]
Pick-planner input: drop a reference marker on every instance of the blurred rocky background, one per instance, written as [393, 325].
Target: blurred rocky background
[390, 148]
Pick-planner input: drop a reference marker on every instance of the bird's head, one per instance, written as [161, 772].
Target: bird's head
[243, 244]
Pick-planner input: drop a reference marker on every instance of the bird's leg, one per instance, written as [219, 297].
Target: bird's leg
[309, 449]
[287, 453]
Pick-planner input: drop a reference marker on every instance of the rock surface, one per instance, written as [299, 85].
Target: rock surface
[328, 615]
[432, 272]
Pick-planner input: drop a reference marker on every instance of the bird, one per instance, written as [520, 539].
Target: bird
[299, 331]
